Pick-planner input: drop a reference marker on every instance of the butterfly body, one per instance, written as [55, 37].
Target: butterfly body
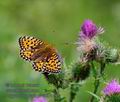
[43, 56]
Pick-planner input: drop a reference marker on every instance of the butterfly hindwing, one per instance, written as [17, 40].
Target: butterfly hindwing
[38, 66]
[52, 64]
[26, 54]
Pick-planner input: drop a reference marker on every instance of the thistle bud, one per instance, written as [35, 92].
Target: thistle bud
[112, 55]
[80, 72]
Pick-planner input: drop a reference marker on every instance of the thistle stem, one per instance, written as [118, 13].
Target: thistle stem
[102, 68]
[97, 75]
[72, 96]
[53, 79]
[96, 86]
[57, 97]
[73, 91]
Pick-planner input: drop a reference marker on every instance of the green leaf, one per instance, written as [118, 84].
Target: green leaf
[97, 97]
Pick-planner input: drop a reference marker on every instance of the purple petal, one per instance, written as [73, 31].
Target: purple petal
[112, 87]
[39, 99]
[88, 29]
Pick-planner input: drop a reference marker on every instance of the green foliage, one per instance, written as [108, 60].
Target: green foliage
[55, 21]
[113, 98]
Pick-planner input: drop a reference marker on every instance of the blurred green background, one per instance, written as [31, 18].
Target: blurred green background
[57, 22]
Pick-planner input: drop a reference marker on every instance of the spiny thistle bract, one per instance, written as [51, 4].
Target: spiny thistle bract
[80, 72]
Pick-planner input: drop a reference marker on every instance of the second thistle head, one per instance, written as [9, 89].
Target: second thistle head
[112, 91]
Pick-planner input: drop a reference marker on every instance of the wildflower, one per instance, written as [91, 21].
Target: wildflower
[86, 42]
[86, 45]
[90, 30]
[112, 88]
[39, 99]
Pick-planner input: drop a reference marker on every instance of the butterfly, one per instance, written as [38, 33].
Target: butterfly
[44, 56]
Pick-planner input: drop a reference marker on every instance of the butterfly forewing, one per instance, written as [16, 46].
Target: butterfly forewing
[28, 47]
[27, 54]
[27, 43]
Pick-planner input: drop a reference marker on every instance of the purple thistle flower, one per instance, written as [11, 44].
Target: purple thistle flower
[90, 30]
[39, 99]
[112, 88]
[86, 42]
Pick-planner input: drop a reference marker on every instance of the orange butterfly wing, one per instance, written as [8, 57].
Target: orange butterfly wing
[28, 46]
[27, 42]
[44, 57]
[52, 64]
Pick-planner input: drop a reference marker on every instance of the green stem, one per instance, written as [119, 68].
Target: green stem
[102, 68]
[97, 76]
[57, 97]
[96, 86]
[56, 81]
[72, 94]
[74, 89]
